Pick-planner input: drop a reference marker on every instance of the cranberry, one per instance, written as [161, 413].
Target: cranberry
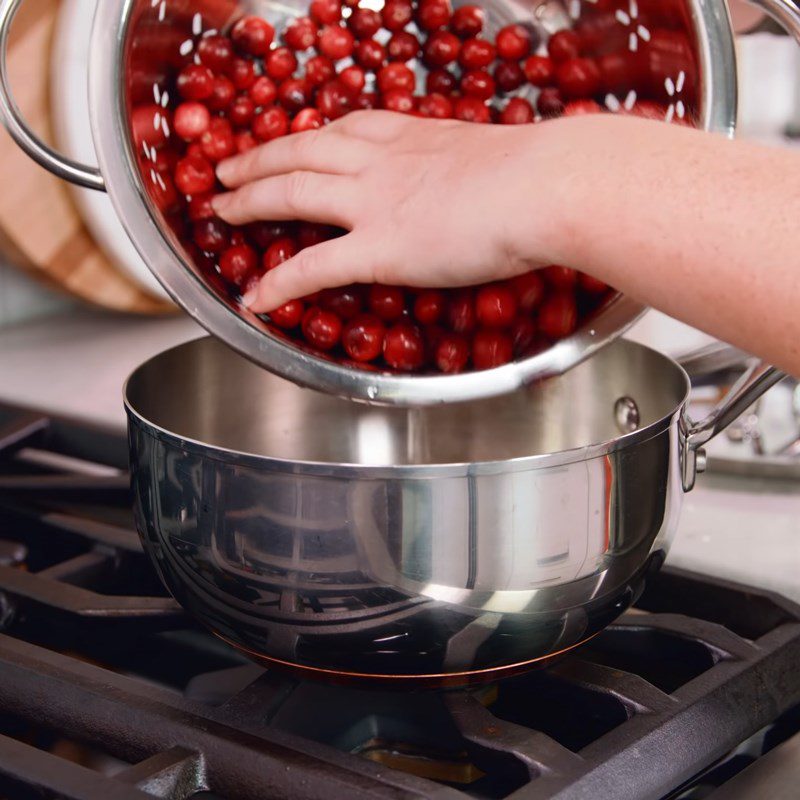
[452, 353]
[471, 109]
[211, 235]
[264, 92]
[440, 81]
[404, 348]
[335, 42]
[396, 14]
[529, 290]
[620, 72]
[467, 21]
[293, 94]
[223, 94]
[245, 141]
[147, 125]
[191, 121]
[163, 194]
[508, 76]
[326, 12]
[280, 64]
[395, 76]
[334, 99]
[216, 52]
[513, 42]
[429, 307]
[667, 55]
[322, 329]
[263, 234]
[271, 124]
[218, 142]
[523, 335]
[346, 302]
[307, 119]
[433, 14]
[242, 111]
[370, 54]
[491, 348]
[591, 284]
[564, 45]
[560, 277]
[400, 100]
[194, 176]
[353, 77]
[476, 53]
[436, 106]
[319, 70]
[477, 83]
[518, 111]
[289, 315]
[550, 103]
[366, 101]
[193, 151]
[282, 249]
[558, 316]
[300, 33]
[311, 233]
[237, 263]
[578, 77]
[403, 46]
[242, 73]
[363, 338]
[461, 312]
[539, 70]
[364, 22]
[386, 302]
[442, 48]
[252, 35]
[579, 108]
[495, 306]
[195, 82]
[200, 207]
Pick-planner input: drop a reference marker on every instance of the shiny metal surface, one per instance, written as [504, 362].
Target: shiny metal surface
[404, 542]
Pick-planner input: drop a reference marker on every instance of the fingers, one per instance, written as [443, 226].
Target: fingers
[374, 126]
[309, 196]
[336, 262]
[324, 151]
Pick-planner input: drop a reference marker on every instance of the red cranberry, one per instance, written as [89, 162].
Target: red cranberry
[558, 316]
[476, 53]
[194, 176]
[564, 45]
[523, 336]
[293, 94]
[289, 315]
[252, 35]
[560, 277]
[216, 52]
[307, 119]
[280, 64]
[346, 302]
[513, 42]
[578, 77]
[529, 290]
[245, 141]
[353, 77]
[461, 311]
[148, 123]
[264, 92]
[508, 76]
[237, 263]
[366, 101]
[518, 111]
[223, 94]
[311, 233]
[467, 21]
[667, 55]
[491, 348]
[404, 348]
[242, 111]
[477, 83]
[400, 100]
[271, 124]
[386, 302]
[403, 46]
[325, 12]
[370, 54]
[395, 76]
[301, 33]
[550, 103]
[452, 353]
[495, 306]
[334, 99]
[195, 82]
[364, 22]
[363, 338]
[471, 109]
[242, 73]
[442, 48]
[319, 70]
[218, 142]
[539, 70]
[335, 42]
[200, 207]
[211, 235]
[193, 151]
[433, 14]
[322, 329]
[280, 250]
[263, 234]
[436, 106]
[429, 307]
[578, 108]
[396, 14]
[620, 72]
[191, 121]
[591, 284]
[440, 81]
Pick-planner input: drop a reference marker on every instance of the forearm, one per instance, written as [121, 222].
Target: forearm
[701, 228]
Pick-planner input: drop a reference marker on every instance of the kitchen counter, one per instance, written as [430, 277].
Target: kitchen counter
[75, 365]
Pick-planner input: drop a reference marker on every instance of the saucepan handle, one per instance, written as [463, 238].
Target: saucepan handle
[15, 124]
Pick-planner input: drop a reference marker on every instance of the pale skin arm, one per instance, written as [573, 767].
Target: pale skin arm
[704, 229]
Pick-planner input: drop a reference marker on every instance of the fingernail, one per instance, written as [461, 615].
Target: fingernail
[250, 297]
[218, 203]
[223, 171]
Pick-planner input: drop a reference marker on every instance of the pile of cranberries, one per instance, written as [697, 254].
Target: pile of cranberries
[225, 93]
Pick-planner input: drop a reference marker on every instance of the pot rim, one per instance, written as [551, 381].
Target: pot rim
[247, 334]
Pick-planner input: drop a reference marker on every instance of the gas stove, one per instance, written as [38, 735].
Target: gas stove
[109, 691]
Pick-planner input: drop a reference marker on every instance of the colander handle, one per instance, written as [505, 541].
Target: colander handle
[15, 124]
[785, 12]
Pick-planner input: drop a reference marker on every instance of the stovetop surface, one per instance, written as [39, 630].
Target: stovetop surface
[109, 691]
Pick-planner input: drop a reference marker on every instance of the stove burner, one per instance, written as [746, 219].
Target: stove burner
[109, 691]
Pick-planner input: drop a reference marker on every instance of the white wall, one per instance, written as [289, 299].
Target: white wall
[23, 298]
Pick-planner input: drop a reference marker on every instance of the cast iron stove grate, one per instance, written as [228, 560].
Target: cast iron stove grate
[108, 691]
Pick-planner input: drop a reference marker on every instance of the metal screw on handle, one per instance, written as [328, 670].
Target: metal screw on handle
[12, 119]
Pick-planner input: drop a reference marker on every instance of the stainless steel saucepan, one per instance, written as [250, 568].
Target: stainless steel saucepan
[438, 544]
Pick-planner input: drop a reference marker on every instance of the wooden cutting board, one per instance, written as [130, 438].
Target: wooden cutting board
[41, 230]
